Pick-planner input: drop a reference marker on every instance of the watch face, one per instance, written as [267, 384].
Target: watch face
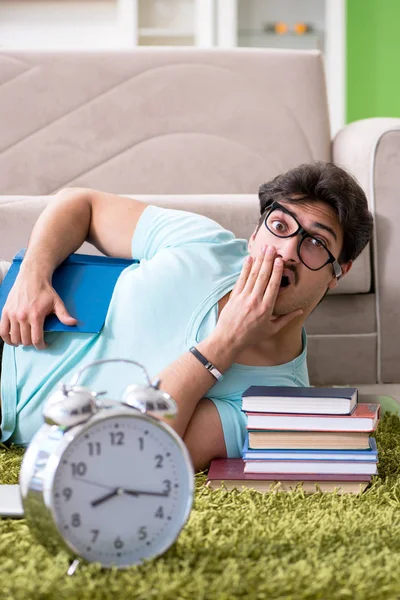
[122, 490]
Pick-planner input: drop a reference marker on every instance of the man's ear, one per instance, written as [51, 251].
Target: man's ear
[251, 240]
[345, 269]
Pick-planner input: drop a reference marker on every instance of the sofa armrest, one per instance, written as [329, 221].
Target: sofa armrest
[355, 146]
[370, 150]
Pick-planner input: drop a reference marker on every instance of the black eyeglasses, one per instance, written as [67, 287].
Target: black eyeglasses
[312, 252]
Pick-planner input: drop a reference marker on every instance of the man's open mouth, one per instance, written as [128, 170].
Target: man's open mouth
[285, 281]
[287, 278]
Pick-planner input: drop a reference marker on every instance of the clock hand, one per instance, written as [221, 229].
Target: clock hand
[115, 492]
[102, 485]
[118, 491]
[142, 493]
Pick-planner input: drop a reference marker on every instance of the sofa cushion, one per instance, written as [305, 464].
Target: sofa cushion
[159, 120]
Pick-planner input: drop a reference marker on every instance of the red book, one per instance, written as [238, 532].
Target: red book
[363, 418]
[229, 472]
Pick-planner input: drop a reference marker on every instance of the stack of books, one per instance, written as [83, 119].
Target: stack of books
[314, 436]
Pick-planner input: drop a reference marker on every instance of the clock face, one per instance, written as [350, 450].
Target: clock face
[122, 490]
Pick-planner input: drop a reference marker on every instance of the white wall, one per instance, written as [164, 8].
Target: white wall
[58, 23]
[90, 23]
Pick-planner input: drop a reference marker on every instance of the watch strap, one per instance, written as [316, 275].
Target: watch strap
[206, 363]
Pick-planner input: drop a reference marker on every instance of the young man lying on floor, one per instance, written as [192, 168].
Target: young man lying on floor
[241, 304]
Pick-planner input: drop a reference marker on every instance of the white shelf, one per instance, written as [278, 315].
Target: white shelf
[262, 39]
[327, 16]
[163, 32]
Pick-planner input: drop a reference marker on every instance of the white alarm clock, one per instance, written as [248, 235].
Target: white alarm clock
[103, 478]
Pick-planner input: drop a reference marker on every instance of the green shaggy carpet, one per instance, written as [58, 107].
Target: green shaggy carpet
[239, 545]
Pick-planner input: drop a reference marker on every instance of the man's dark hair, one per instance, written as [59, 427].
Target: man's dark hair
[325, 182]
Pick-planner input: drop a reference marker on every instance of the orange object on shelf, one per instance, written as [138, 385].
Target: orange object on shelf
[301, 28]
[281, 28]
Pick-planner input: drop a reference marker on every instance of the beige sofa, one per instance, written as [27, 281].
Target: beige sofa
[201, 130]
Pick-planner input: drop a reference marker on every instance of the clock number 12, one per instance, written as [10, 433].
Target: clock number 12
[117, 438]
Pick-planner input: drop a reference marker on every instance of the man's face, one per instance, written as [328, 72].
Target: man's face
[306, 287]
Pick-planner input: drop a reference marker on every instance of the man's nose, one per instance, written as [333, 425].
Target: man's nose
[287, 249]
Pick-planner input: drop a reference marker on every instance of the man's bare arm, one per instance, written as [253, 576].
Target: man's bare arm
[244, 320]
[204, 435]
[75, 215]
[187, 381]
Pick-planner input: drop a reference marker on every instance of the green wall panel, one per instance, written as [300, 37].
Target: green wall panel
[373, 59]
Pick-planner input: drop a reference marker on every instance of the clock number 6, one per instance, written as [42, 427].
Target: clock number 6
[118, 543]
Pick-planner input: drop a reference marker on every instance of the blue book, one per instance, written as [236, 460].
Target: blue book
[370, 454]
[85, 283]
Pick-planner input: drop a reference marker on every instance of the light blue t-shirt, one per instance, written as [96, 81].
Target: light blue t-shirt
[159, 309]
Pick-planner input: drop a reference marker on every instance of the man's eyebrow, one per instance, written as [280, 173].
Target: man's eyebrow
[317, 225]
[325, 227]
